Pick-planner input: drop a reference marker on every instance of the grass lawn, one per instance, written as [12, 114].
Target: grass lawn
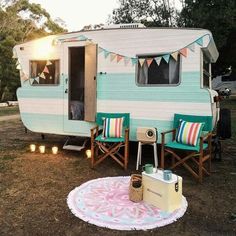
[6, 111]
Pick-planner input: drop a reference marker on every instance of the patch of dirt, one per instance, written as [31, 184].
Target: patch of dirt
[34, 188]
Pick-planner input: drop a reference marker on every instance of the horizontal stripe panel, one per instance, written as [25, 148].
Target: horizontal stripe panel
[42, 92]
[153, 110]
[123, 87]
[41, 106]
[56, 124]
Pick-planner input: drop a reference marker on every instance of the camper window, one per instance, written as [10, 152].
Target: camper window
[44, 72]
[162, 74]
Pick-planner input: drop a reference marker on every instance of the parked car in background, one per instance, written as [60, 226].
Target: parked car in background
[225, 85]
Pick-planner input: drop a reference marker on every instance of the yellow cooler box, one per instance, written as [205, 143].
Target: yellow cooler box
[164, 194]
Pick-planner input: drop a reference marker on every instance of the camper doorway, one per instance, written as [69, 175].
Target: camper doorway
[76, 83]
[80, 70]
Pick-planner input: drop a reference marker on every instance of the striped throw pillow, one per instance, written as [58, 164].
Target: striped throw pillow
[112, 127]
[189, 132]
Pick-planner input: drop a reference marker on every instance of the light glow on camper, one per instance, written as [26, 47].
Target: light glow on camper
[43, 49]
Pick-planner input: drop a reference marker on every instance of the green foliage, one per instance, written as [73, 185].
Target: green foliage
[20, 21]
[219, 16]
[148, 12]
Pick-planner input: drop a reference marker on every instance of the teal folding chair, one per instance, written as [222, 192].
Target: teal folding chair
[103, 147]
[183, 153]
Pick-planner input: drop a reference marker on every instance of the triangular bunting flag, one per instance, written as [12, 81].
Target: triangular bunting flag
[106, 53]
[166, 57]
[45, 70]
[119, 57]
[199, 41]
[149, 61]
[42, 76]
[141, 61]
[100, 50]
[112, 56]
[158, 60]
[17, 62]
[134, 61]
[126, 60]
[14, 53]
[36, 79]
[175, 55]
[18, 67]
[192, 47]
[31, 80]
[48, 63]
[183, 51]
[23, 76]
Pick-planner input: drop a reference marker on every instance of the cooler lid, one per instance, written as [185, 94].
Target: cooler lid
[159, 176]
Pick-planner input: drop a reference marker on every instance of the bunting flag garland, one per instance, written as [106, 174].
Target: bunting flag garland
[134, 61]
[141, 61]
[175, 55]
[119, 57]
[199, 41]
[158, 60]
[37, 79]
[18, 67]
[23, 76]
[100, 50]
[126, 60]
[42, 76]
[166, 58]
[183, 52]
[115, 56]
[192, 47]
[149, 61]
[106, 53]
[34, 80]
[112, 56]
[45, 70]
[14, 53]
[48, 63]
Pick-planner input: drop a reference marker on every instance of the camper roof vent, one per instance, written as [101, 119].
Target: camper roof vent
[125, 26]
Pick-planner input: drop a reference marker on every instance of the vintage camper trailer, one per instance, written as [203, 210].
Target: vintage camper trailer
[151, 73]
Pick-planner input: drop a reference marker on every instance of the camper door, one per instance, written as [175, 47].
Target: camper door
[80, 70]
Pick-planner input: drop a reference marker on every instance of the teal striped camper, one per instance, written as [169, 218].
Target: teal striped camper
[151, 73]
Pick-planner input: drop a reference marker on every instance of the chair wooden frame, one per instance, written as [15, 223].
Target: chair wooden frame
[109, 149]
[199, 157]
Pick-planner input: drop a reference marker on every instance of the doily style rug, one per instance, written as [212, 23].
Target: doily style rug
[105, 202]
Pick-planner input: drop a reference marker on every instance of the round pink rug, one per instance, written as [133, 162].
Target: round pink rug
[105, 202]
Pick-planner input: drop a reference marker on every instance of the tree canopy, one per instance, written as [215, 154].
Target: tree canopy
[20, 21]
[218, 16]
[149, 12]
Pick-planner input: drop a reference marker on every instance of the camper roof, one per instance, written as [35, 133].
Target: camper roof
[139, 41]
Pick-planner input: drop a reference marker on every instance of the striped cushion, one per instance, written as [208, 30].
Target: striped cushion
[112, 127]
[189, 132]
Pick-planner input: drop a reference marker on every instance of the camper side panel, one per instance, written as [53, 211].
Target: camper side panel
[151, 106]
